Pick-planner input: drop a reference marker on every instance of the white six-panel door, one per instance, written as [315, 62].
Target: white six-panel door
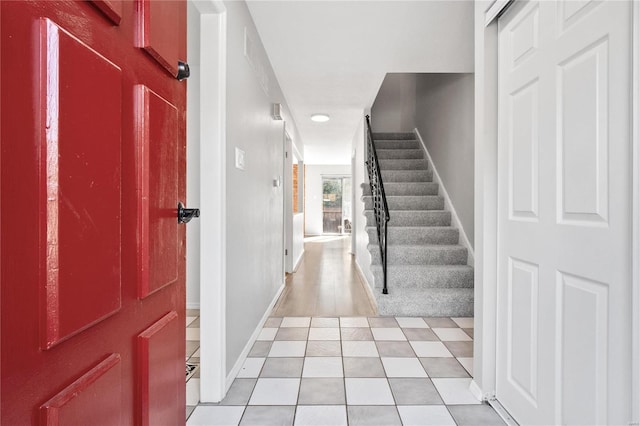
[564, 224]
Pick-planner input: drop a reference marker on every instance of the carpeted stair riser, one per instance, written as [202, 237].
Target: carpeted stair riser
[413, 218]
[434, 302]
[422, 276]
[390, 176]
[416, 235]
[397, 144]
[382, 136]
[420, 255]
[403, 164]
[392, 154]
[406, 188]
[417, 202]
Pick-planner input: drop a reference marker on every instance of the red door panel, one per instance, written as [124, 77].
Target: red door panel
[71, 312]
[157, 168]
[158, 372]
[111, 8]
[157, 32]
[80, 184]
[94, 388]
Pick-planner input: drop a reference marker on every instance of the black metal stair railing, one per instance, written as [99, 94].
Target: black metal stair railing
[380, 207]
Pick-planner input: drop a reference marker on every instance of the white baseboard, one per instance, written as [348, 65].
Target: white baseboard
[193, 305]
[297, 264]
[367, 286]
[455, 219]
[476, 391]
[245, 352]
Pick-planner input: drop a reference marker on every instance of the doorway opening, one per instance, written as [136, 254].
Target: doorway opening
[336, 205]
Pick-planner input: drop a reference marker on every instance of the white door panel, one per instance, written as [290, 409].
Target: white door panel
[564, 172]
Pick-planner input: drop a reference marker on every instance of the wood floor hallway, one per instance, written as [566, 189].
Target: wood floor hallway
[326, 282]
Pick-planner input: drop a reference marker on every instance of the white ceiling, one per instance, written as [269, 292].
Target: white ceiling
[331, 57]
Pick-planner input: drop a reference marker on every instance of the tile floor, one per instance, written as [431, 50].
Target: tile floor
[350, 371]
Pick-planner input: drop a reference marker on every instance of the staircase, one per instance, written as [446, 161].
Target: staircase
[427, 269]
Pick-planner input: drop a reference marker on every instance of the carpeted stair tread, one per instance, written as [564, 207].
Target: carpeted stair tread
[414, 202]
[398, 144]
[390, 154]
[417, 234]
[406, 188]
[393, 136]
[390, 176]
[413, 218]
[425, 276]
[420, 254]
[403, 164]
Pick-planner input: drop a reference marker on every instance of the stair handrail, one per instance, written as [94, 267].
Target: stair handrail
[379, 198]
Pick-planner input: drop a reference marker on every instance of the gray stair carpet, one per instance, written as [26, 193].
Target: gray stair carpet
[427, 268]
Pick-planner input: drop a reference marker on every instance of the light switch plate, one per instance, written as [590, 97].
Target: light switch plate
[239, 159]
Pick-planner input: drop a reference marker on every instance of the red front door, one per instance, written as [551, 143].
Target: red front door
[92, 169]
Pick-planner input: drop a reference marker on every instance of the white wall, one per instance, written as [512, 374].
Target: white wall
[193, 156]
[445, 119]
[358, 230]
[294, 222]
[297, 247]
[313, 195]
[254, 207]
[394, 109]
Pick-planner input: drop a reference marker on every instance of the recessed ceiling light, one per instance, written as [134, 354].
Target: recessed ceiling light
[320, 118]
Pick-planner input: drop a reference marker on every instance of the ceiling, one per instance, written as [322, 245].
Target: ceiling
[331, 57]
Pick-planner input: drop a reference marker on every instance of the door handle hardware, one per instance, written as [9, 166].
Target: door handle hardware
[185, 215]
[183, 71]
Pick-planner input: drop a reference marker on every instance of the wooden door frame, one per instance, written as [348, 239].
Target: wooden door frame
[213, 28]
[486, 197]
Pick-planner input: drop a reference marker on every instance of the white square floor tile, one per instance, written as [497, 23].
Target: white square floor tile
[463, 322]
[321, 415]
[359, 348]
[451, 335]
[430, 349]
[467, 363]
[455, 391]
[275, 392]
[267, 334]
[325, 322]
[207, 415]
[354, 322]
[325, 366]
[412, 322]
[251, 368]
[189, 320]
[324, 333]
[295, 322]
[368, 392]
[193, 334]
[425, 415]
[403, 367]
[193, 391]
[388, 334]
[288, 348]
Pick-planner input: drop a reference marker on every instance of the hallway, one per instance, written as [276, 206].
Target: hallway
[323, 358]
[326, 282]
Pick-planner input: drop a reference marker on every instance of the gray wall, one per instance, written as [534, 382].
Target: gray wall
[254, 207]
[394, 109]
[444, 117]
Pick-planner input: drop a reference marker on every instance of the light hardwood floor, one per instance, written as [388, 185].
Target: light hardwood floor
[326, 283]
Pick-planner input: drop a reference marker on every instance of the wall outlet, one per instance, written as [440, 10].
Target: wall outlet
[239, 159]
